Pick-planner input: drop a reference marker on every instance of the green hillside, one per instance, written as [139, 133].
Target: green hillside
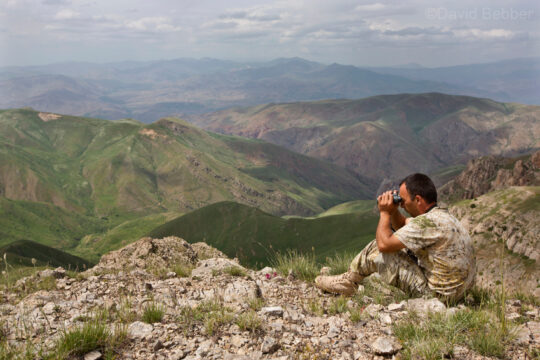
[44, 223]
[21, 252]
[115, 169]
[253, 235]
[92, 246]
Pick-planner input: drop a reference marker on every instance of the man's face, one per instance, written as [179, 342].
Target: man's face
[410, 205]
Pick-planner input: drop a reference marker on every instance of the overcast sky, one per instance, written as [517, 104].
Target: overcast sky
[430, 32]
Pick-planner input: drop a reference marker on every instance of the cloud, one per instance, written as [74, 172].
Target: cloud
[55, 2]
[416, 31]
[66, 14]
[370, 7]
[151, 24]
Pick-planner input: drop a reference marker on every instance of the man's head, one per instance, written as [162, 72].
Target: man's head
[418, 193]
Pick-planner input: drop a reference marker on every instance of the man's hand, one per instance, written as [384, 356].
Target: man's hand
[385, 202]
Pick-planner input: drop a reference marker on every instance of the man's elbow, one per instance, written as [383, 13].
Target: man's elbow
[383, 248]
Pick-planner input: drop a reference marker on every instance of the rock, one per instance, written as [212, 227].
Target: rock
[204, 348]
[534, 326]
[385, 319]
[267, 270]
[269, 345]
[373, 309]
[157, 345]
[513, 316]
[93, 355]
[236, 357]
[272, 311]
[49, 308]
[523, 335]
[385, 345]
[396, 307]
[139, 329]
[333, 332]
[240, 290]
[45, 273]
[238, 341]
[422, 307]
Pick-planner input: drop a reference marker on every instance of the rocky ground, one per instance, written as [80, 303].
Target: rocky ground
[221, 311]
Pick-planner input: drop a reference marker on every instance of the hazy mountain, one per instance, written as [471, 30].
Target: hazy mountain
[391, 135]
[150, 90]
[511, 80]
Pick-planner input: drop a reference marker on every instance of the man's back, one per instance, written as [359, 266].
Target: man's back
[444, 251]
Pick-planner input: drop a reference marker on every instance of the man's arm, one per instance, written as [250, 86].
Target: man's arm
[398, 220]
[386, 241]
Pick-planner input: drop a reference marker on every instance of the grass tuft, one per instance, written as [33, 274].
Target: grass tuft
[249, 321]
[302, 265]
[235, 271]
[153, 313]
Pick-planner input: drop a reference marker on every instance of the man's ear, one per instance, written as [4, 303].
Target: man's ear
[418, 198]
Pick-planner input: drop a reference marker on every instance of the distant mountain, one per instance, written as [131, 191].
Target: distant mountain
[253, 235]
[114, 169]
[515, 80]
[21, 253]
[388, 136]
[150, 90]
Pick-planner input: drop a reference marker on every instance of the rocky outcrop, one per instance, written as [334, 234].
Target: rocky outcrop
[489, 173]
[219, 311]
[505, 219]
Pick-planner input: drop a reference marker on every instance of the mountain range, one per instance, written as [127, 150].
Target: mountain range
[102, 168]
[149, 91]
[388, 136]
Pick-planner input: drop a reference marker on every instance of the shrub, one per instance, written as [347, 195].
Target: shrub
[339, 263]
[153, 313]
[249, 321]
[302, 265]
[235, 271]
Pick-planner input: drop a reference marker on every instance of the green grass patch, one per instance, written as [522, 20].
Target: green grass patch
[153, 313]
[435, 337]
[92, 335]
[249, 321]
[235, 271]
[303, 266]
[210, 315]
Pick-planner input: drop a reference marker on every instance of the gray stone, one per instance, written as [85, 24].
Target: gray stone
[396, 307]
[373, 309]
[204, 348]
[385, 319]
[513, 316]
[49, 308]
[240, 290]
[523, 335]
[238, 341]
[385, 345]
[272, 311]
[333, 331]
[93, 355]
[269, 345]
[422, 307]
[236, 357]
[139, 329]
[157, 345]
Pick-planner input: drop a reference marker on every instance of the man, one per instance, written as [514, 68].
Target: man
[430, 253]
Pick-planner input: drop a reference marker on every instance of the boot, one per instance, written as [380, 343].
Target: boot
[345, 284]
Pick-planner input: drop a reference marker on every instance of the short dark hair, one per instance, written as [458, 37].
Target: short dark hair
[420, 184]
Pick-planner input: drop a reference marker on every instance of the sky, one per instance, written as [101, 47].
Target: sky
[363, 33]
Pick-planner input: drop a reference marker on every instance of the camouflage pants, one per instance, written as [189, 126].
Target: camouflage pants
[396, 268]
